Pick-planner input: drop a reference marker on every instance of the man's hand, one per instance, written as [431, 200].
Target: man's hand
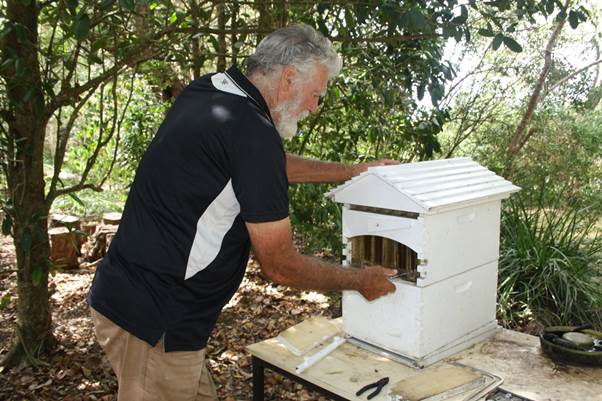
[299, 169]
[357, 169]
[375, 282]
[282, 264]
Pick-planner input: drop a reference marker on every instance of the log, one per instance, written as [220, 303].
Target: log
[100, 242]
[64, 248]
[112, 218]
[63, 220]
[88, 228]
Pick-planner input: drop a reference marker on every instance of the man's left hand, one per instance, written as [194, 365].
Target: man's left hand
[361, 167]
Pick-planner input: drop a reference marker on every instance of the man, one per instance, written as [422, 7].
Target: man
[213, 181]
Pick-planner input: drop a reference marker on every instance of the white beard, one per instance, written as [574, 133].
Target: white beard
[287, 125]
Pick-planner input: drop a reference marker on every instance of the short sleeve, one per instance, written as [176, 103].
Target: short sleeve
[258, 169]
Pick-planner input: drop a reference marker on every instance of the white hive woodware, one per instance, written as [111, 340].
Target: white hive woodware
[438, 223]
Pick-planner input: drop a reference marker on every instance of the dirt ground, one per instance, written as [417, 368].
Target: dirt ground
[78, 370]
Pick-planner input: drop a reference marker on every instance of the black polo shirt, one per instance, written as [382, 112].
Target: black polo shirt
[182, 247]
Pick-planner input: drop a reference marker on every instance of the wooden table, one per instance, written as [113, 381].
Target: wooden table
[516, 357]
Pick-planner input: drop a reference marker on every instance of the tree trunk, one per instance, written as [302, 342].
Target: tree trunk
[521, 134]
[221, 38]
[25, 179]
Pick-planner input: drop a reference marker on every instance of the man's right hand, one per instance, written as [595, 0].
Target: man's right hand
[374, 282]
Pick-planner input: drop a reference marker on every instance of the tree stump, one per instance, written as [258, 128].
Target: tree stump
[100, 242]
[63, 220]
[73, 225]
[89, 228]
[64, 248]
[112, 218]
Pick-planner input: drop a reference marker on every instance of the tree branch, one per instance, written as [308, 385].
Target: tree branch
[383, 39]
[347, 39]
[144, 51]
[61, 147]
[517, 141]
[571, 75]
[118, 136]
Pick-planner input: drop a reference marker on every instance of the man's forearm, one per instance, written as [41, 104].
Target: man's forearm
[299, 169]
[305, 272]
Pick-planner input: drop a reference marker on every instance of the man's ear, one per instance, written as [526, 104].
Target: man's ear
[287, 82]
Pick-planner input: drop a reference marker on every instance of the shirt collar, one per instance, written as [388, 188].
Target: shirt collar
[243, 82]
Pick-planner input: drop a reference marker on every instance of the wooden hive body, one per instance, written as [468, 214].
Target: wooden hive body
[440, 220]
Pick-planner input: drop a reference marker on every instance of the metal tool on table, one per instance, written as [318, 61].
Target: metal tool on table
[377, 384]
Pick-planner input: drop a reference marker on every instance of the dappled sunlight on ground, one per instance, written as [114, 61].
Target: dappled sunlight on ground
[77, 369]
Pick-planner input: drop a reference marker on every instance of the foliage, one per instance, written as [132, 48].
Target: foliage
[316, 218]
[69, 79]
[550, 261]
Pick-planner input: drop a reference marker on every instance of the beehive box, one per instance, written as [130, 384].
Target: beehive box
[438, 223]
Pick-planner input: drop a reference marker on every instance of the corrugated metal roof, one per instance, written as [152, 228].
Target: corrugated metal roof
[440, 183]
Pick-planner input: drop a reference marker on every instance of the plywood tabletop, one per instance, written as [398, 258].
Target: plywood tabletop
[516, 357]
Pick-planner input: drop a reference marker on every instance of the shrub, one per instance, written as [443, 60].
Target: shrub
[550, 265]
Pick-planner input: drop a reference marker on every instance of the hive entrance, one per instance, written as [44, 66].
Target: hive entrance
[369, 250]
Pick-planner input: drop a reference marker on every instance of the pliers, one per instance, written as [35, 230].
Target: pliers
[378, 384]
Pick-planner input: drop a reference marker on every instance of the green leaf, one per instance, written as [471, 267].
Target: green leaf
[77, 199]
[39, 105]
[486, 32]
[19, 66]
[457, 35]
[463, 17]
[81, 28]
[7, 224]
[421, 88]
[436, 93]
[129, 5]
[6, 30]
[6, 63]
[408, 81]
[550, 6]
[97, 45]
[497, 41]
[106, 4]
[417, 20]
[573, 19]
[72, 4]
[21, 33]
[48, 88]
[512, 44]
[36, 276]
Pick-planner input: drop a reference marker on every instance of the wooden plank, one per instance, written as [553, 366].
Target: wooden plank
[514, 356]
[434, 381]
[308, 334]
[388, 251]
[376, 250]
[357, 251]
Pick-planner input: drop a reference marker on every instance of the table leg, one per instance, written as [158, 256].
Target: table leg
[258, 370]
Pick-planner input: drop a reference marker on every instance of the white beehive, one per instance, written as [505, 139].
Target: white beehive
[439, 223]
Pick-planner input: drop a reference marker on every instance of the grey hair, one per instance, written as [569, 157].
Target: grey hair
[299, 45]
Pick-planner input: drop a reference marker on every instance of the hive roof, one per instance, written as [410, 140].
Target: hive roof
[424, 187]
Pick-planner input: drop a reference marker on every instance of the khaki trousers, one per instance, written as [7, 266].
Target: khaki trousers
[146, 373]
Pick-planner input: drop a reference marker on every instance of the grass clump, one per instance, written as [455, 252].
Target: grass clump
[550, 266]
